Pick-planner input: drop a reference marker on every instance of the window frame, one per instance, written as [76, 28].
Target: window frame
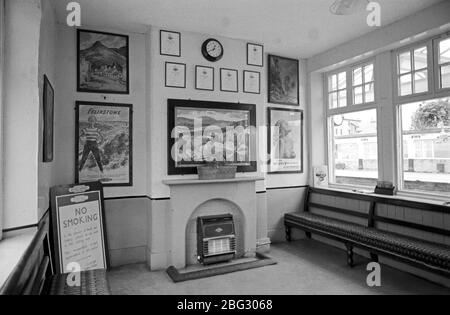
[434, 92]
[350, 108]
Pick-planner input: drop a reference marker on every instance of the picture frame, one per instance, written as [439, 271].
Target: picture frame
[103, 64]
[285, 140]
[49, 118]
[104, 143]
[175, 76]
[252, 82]
[169, 43]
[283, 81]
[188, 143]
[255, 55]
[229, 81]
[204, 78]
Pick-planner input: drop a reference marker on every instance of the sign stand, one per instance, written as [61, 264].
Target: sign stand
[79, 228]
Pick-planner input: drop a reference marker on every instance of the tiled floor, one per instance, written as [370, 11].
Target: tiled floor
[304, 267]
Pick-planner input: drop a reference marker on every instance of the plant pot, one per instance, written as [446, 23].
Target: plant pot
[208, 172]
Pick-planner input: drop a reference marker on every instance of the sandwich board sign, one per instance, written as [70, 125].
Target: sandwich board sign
[78, 227]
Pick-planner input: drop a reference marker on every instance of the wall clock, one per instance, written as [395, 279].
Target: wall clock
[212, 50]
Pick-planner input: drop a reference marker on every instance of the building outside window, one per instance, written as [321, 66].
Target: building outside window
[352, 126]
[423, 100]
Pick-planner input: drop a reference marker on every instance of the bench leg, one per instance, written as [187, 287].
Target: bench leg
[350, 261]
[288, 234]
[374, 257]
[308, 235]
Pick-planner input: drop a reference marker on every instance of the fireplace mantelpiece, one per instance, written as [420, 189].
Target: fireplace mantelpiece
[188, 196]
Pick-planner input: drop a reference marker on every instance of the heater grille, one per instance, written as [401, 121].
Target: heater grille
[216, 239]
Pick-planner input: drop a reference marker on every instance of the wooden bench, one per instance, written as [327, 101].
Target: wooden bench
[424, 254]
[33, 275]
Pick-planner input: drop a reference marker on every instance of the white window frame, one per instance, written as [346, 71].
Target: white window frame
[350, 108]
[434, 92]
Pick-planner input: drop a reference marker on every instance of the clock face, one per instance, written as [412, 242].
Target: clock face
[212, 50]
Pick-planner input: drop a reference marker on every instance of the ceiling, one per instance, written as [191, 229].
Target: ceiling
[295, 28]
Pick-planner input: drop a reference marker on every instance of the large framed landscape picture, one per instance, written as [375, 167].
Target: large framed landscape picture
[202, 131]
[283, 81]
[285, 140]
[104, 143]
[103, 62]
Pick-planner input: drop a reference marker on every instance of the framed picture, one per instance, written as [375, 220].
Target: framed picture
[283, 81]
[204, 78]
[200, 131]
[170, 43]
[252, 82]
[229, 80]
[285, 140]
[104, 143]
[49, 114]
[255, 55]
[103, 62]
[176, 75]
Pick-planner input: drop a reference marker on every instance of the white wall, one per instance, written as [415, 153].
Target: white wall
[21, 112]
[66, 95]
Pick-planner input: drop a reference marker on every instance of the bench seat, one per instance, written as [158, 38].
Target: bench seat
[93, 282]
[432, 254]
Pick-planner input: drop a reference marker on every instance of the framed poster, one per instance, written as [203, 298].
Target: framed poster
[175, 75]
[204, 78]
[200, 131]
[252, 82]
[255, 55]
[79, 227]
[285, 140]
[103, 62]
[283, 80]
[104, 143]
[169, 43]
[49, 114]
[229, 80]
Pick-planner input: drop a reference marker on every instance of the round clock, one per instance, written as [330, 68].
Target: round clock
[212, 50]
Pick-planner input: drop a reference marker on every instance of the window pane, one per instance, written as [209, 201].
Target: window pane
[357, 76]
[444, 51]
[421, 81]
[405, 86]
[355, 148]
[332, 83]
[369, 93]
[420, 58]
[342, 81]
[343, 98]
[368, 73]
[445, 77]
[404, 61]
[426, 146]
[333, 100]
[358, 95]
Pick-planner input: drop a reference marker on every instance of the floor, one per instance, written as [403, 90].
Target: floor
[304, 267]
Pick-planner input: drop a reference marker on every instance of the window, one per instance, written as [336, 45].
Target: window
[412, 71]
[444, 63]
[352, 126]
[425, 133]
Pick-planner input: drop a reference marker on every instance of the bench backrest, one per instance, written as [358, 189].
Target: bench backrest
[28, 277]
[417, 219]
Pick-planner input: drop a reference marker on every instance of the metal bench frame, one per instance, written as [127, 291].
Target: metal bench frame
[372, 219]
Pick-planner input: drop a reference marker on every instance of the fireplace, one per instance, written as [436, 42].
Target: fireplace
[216, 239]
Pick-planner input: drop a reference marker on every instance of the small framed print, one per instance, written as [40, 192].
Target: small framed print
[255, 55]
[175, 75]
[204, 78]
[170, 43]
[252, 82]
[229, 80]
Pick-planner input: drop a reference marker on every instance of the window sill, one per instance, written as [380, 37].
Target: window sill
[400, 196]
[12, 248]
